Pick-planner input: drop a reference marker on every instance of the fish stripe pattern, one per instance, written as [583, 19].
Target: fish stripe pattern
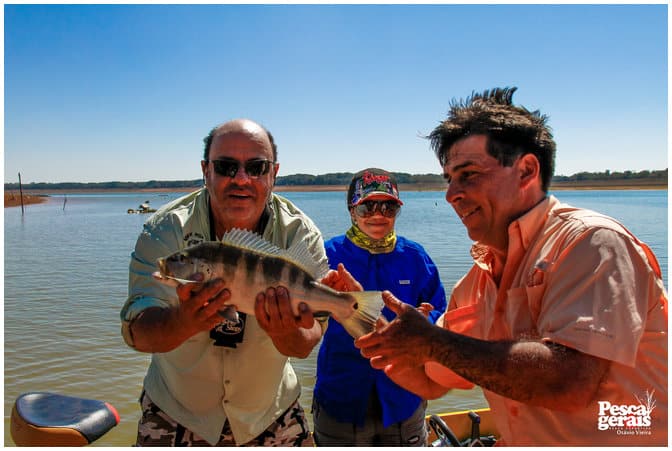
[248, 264]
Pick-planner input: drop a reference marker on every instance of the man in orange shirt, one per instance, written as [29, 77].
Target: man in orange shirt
[562, 320]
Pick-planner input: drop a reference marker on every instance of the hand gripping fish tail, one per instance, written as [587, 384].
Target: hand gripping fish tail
[248, 265]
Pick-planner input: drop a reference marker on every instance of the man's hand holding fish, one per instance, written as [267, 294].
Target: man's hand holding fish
[200, 306]
[400, 356]
[293, 336]
[197, 311]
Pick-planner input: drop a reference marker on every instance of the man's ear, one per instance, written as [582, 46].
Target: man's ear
[276, 168]
[529, 169]
[204, 172]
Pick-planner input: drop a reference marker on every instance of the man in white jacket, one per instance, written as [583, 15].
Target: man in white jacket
[210, 381]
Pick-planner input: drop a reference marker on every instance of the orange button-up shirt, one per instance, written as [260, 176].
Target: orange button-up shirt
[580, 279]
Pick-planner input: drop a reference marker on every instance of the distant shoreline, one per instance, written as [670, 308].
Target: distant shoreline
[12, 198]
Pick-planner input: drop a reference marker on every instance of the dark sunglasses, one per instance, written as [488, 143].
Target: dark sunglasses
[368, 208]
[228, 167]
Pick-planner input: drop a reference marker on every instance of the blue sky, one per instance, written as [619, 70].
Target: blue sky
[127, 92]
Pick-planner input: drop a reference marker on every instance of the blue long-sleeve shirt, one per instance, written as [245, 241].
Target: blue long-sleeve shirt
[344, 378]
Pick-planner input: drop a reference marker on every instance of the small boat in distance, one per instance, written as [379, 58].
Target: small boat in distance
[142, 208]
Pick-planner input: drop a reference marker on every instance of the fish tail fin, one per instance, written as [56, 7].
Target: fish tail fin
[363, 320]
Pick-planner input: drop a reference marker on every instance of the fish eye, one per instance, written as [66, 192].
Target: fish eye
[356, 306]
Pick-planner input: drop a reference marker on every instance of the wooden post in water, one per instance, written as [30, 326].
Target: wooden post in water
[21, 193]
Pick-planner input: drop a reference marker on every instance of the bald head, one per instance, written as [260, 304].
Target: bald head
[245, 126]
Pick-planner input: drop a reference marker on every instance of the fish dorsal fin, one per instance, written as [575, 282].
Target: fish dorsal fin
[297, 254]
[250, 241]
[300, 254]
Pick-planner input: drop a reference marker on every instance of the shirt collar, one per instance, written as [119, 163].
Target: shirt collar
[526, 227]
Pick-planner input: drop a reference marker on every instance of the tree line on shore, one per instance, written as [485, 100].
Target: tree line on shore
[338, 178]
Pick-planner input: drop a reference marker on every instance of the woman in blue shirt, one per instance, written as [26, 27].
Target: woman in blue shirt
[354, 404]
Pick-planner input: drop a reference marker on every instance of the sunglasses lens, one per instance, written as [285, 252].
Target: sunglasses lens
[255, 168]
[388, 208]
[226, 168]
[363, 211]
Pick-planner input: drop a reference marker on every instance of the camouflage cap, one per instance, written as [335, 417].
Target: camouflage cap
[370, 182]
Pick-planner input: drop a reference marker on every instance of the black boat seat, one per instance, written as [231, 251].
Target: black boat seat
[50, 419]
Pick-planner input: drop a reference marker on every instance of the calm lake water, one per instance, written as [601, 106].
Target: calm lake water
[66, 269]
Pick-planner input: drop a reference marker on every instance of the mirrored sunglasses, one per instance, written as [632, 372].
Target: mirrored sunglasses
[368, 208]
[228, 167]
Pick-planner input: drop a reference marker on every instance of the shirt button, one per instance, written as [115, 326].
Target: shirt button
[226, 401]
[227, 381]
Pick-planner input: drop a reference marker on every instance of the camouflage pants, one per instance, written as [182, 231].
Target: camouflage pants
[156, 428]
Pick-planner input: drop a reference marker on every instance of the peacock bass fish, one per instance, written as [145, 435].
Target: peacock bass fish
[248, 264]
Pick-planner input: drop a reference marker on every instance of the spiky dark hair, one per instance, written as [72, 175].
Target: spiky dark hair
[512, 130]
